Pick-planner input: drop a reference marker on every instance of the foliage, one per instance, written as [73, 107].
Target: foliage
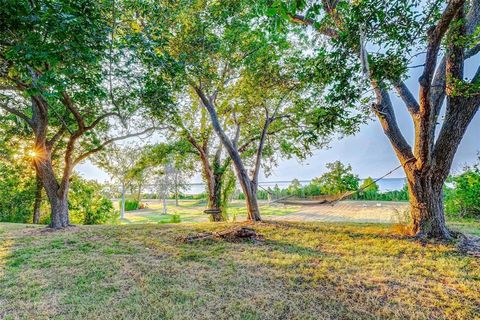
[395, 195]
[257, 81]
[17, 193]
[87, 205]
[130, 204]
[66, 73]
[462, 198]
[338, 179]
[17, 179]
[294, 187]
[175, 218]
[228, 189]
[369, 185]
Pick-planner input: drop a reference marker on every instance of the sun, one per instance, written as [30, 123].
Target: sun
[33, 154]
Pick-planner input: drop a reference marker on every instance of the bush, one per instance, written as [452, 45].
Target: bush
[397, 195]
[130, 204]
[175, 218]
[462, 199]
[17, 186]
[86, 204]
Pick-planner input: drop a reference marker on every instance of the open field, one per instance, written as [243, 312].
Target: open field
[192, 211]
[300, 271]
[344, 211]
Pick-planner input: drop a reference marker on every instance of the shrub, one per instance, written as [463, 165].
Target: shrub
[396, 195]
[175, 218]
[369, 185]
[86, 204]
[17, 187]
[462, 198]
[130, 204]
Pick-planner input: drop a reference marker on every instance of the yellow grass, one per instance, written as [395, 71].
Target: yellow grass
[301, 271]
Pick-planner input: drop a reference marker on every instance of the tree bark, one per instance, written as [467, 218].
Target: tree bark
[176, 187]
[426, 206]
[214, 188]
[59, 211]
[57, 194]
[122, 205]
[38, 200]
[250, 192]
[215, 196]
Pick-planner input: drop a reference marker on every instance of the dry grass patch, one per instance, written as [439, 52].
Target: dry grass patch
[300, 271]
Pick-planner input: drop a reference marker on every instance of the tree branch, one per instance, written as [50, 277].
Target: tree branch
[329, 32]
[384, 110]
[261, 145]
[18, 114]
[56, 137]
[407, 97]
[67, 101]
[100, 118]
[435, 36]
[106, 143]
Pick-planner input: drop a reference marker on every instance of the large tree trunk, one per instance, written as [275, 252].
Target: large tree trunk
[215, 196]
[250, 192]
[59, 211]
[213, 176]
[58, 200]
[426, 206]
[214, 190]
[57, 194]
[38, 200]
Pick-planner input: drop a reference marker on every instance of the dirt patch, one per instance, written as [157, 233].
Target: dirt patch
[232, 235]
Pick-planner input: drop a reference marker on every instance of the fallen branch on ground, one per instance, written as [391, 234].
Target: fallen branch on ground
[234, 234]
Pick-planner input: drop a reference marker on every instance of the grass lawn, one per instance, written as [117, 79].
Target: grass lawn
[300, 271]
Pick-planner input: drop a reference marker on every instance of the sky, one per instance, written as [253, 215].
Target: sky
[368, 151]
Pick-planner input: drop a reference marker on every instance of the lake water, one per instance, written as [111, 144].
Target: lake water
[386, 184]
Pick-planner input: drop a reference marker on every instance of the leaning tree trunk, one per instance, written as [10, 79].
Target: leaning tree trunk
[250, 192]
[38, 200]
[426, 205]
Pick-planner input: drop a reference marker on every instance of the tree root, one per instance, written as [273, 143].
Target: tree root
[232, 235]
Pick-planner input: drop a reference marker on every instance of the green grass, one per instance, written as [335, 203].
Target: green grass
[300, 271]
[465, 225]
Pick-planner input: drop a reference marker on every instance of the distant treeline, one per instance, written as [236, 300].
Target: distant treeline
[310, 190]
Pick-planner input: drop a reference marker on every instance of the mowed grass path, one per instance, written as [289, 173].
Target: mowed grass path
[300, 271]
